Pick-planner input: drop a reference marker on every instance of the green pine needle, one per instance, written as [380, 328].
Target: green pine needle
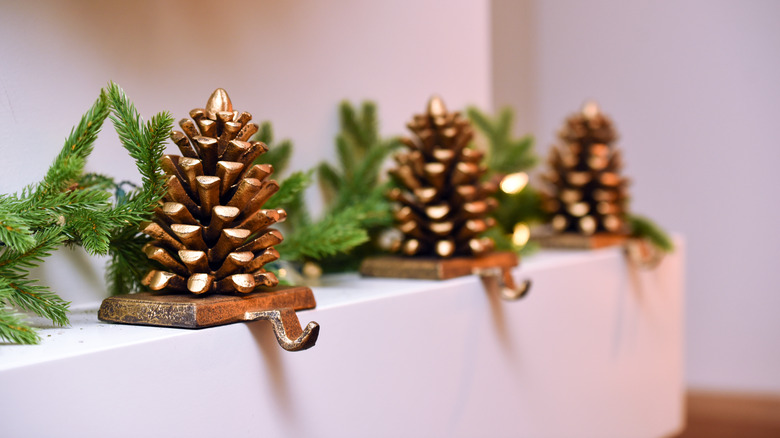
[645, 228]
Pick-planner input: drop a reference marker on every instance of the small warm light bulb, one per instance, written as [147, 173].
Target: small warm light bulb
[282, 273]
[514, 182]
[521, 234]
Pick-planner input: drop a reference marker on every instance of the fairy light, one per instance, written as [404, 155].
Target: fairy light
[521, 234]
[514, 182]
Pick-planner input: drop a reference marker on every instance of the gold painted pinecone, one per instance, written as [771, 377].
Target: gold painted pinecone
[211, 234]
[586, 193]
[444, 205]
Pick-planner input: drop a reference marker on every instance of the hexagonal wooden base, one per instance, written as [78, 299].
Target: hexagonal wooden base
[192, 311]
[429, 268]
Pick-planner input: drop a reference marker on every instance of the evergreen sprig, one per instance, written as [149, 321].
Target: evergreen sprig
[643, 227]
[41, 218]
[506, 155]
[145, 142]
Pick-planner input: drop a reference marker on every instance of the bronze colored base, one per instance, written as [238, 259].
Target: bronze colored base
[578, 241]
[429, 268]
[191, 311]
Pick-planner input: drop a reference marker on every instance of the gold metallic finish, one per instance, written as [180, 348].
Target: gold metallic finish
[195, 261]
[162, 256]
[229, 240]
[559, 222]
[475, 209]
[241, 283]
[173, 212]
[571, 195]
[159, 280]
[170, 167]
[208, 190]
[411, 247]
[578, 179]
[197, 114]
[190, 235]
[247, 131]
[221, 216]
[228, 172]
[243, 118]
[200, 283]
[438, 212]
[218, 101]
[579, 209]
[224, 117]
[246, 190]
[191, 168]
[465, 173]
[189, 128]
[181, 140]
[588, 225]
[236, 261]
[412, 228]
[612, 223]
[426, 195]
[445, 248]
[435, 174]
[267, 279]
[444, 156]
[258, 148]
[229, 132]
[235, 149]
[208, 128]
[473, 156]
[267, 256]
[156, 232]
[262, 219]
[610, 179]
[259, 171]
[442, 228]
[207, 151]
[266, 239]
[196, 232]
[267, 189]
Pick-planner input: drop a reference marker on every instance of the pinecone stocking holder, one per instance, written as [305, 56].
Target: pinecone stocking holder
[212, 236]
[587, 198]
[443, 207]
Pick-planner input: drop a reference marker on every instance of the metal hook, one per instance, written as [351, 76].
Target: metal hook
[502, 278]
[286, 327]
[643, 254]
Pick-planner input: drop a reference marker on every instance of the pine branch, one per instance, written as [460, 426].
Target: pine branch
[69, 164]
[289, 190]
[128, 264]
[14, 231]
[645, 228]
[334, 234]
[278, 155]
[13, 328]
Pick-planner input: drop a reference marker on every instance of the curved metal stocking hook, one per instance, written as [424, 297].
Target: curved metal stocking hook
[503, 279]
[643, 254]
[287, 328]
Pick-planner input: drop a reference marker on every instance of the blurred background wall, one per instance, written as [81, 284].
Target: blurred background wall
[691, 85]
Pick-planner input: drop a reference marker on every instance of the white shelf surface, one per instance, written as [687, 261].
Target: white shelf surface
[594, 350]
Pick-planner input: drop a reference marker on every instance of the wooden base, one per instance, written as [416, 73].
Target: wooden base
[578, 241]
[429, 268]
[192, 311]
